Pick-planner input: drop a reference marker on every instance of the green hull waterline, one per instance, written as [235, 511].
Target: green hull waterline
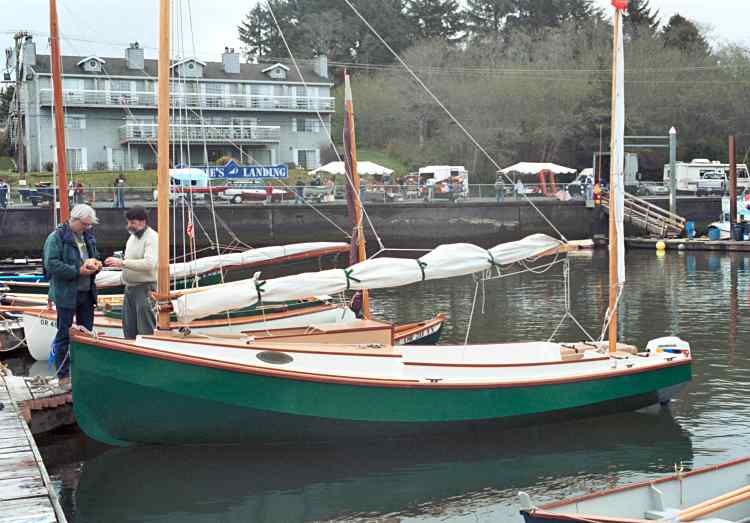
[122, 398]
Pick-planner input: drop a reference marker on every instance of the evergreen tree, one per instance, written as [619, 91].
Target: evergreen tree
[641, 21]
[683, 34]
[259, 33]
[487, 16]
[536, 15]
[439, 19]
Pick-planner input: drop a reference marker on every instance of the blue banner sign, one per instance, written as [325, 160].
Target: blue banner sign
[233, 170]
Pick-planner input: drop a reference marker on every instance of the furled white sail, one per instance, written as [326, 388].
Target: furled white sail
[248, 258]
[445, 261]
[618, 147]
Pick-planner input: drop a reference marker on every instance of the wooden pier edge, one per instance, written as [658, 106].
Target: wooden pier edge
[15, 448]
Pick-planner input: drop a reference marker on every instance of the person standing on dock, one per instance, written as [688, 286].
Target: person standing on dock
[499, 189]
[138, 274]
[120, 192]
[4, 190]
[71, 263]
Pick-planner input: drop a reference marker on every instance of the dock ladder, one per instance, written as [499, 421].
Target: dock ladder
[649, 217]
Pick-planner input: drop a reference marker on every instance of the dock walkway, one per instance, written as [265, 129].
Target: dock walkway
[689, 245]
[26, 493]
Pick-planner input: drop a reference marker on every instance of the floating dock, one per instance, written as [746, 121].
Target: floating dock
[683, 244]
[26, 492]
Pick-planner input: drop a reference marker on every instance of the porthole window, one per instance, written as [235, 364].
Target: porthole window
[92, 63]
[191, 65]
[274, 358]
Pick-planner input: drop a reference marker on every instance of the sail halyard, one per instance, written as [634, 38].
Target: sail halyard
[62, 181]
[162, 164]
[354, 201]
[616, 190]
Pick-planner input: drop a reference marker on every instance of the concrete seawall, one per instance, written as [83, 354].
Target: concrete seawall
[417, 225]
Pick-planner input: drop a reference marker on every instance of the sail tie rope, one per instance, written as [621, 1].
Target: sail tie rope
[422, 265]
[350, 278]
[259, 284]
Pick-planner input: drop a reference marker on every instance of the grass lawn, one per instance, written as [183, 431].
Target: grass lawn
[93, 179]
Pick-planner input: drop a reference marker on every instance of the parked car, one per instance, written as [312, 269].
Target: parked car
[255, 192]
[578, 186]
[712, 182]
[651, 189]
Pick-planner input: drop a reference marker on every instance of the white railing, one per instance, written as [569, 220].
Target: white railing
[146, 132]
[252, 102]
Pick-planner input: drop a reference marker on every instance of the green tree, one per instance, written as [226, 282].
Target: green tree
[259, 33]
[641, 21]
[487, 16]
[438, 19]
[683, 34]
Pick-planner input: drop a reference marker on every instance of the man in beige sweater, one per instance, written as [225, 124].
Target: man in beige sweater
[138, 274]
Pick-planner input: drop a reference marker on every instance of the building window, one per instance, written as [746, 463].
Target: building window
[75, 121]
[308, 158]
[305, 125]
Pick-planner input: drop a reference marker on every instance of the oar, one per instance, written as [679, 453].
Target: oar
[715, 504]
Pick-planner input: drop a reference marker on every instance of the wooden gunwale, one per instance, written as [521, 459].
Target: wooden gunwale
[122, 346]
[645, 483]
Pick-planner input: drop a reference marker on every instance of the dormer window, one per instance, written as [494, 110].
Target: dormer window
[277, 71]
[91, 64]
[189, 68]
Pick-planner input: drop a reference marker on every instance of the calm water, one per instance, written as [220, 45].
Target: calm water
[701, 297]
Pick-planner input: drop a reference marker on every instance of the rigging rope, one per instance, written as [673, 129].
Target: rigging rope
[449, 113]
[355, 190]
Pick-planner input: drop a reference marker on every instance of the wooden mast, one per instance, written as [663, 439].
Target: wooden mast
[162, 164]
[351, 152]
[62, 181]
[613, 254]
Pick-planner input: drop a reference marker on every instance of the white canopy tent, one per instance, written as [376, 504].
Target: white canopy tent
[363, 168]
[536, 167]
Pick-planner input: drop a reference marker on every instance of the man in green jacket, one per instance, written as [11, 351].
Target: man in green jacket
[71, 264]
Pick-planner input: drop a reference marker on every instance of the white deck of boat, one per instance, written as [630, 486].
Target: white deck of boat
[471, 363]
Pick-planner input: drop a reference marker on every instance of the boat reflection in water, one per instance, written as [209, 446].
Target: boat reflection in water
[397, 478]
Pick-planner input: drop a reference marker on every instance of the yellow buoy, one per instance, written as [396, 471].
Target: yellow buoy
[660, 245]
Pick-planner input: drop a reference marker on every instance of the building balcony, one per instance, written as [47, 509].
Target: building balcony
[196, 133]
[226, 102]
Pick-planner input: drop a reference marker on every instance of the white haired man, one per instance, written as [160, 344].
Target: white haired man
[71, 264]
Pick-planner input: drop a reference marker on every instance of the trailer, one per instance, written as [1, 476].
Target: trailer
[690, 173]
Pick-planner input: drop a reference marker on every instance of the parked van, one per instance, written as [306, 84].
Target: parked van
[688, 174]
[440, 177]
[187, 180]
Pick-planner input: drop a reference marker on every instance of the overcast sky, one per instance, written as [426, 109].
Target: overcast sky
[105, 27]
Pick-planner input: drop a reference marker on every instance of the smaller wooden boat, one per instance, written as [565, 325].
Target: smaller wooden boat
[41, 323]
[11, 332]
[358, 331]
[717, 493]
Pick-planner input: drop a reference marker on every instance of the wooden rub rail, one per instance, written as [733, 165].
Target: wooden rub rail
[650, 217]
[26, 492]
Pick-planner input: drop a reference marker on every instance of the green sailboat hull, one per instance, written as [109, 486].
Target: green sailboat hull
[124, 397]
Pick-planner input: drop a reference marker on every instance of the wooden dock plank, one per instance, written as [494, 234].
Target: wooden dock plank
[26, 492]
[18, 464]
[20, 488]
[32, 510]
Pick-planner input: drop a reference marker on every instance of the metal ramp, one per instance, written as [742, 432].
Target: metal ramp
[649, 217]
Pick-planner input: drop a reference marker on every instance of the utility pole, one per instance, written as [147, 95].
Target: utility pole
[673, 170]
[19, 38]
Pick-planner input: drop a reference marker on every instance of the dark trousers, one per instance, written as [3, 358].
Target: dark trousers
[84, 316]
[138, 315]
[119, 197]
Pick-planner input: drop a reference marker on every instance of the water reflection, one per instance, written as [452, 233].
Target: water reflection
[395, 478]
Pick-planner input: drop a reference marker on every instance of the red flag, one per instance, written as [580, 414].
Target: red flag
[189, 229]
[622, 5]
